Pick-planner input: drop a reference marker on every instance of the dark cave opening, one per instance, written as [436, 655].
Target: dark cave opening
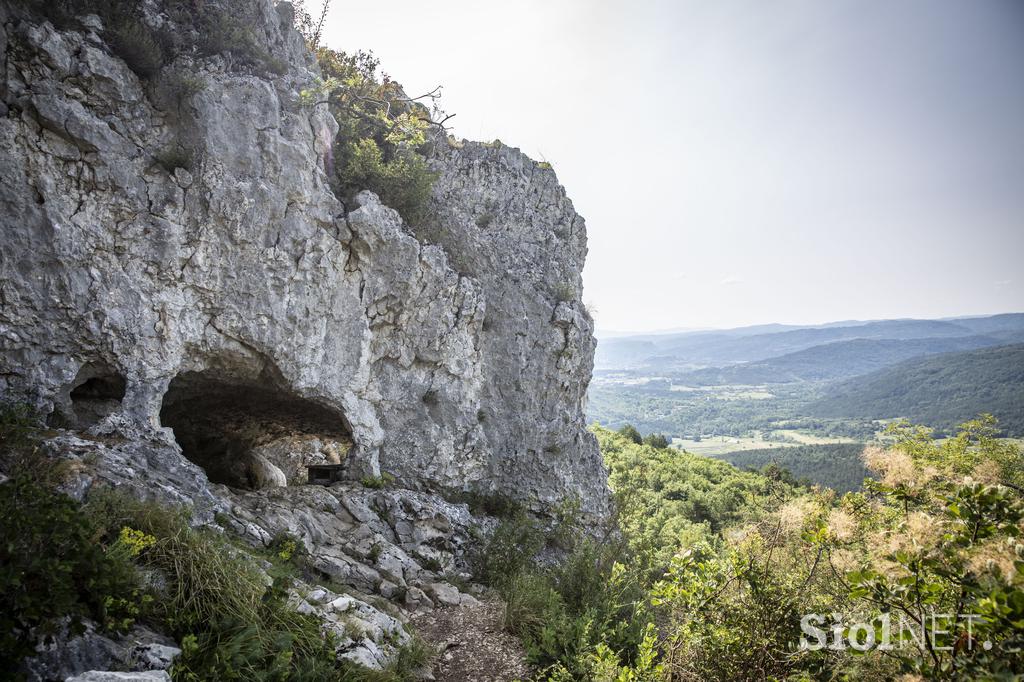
[96, 392]
[220, 420]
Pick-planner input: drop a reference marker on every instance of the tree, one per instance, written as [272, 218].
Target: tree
[656, 440]
[630, 432]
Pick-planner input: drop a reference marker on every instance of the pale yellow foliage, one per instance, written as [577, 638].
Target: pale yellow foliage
[842, 525]
[994, 557]
[845, 560]
[795, 513]
[894, 466]
[988, 472]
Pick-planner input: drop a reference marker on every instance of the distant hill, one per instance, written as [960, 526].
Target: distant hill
[682, 352]
[833, 465]
[836, 360]
[1007, 322]
[940, 391]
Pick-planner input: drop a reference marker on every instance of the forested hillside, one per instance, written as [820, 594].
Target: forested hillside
[941, 391]
[835, 465]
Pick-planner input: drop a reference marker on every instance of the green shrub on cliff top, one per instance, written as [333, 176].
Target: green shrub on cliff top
[382, 133]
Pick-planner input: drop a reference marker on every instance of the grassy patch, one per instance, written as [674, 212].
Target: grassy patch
[377, 482]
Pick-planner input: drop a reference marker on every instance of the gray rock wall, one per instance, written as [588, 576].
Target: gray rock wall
[455, 355]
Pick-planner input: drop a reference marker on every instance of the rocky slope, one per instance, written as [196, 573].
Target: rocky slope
[201, 317]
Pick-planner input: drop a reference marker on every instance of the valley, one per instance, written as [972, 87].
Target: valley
[776, 387]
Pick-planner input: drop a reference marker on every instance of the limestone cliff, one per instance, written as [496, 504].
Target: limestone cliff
[173, 256]
[198, 317]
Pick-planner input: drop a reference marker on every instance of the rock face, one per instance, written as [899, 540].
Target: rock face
[137, 293]
[141, 653]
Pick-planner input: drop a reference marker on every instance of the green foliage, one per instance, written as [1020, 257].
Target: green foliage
[137, 44]
[176, 88]
[203, 28]
[670, 499]
[565, 291]
[377, 482]
[584, 614]
[288, 556]
[734, 611]
[654, 407]
[943, 536]
[217, 601]
[20, 456]
[941, 390]
[62, 562]
[629, 431]
[509, 551]
[142, 48]
[381, 136]
[656, 440]
[491, 504]
[17, 423]
[403, 181]
[835, 465]
[227, 30]
[938, 532]
[52, 567]
[975, 444]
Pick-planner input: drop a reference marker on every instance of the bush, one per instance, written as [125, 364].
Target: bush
[565, 292]
[403, 182]
[17, 423]
[511, 548]
[228, 31]
[176, 88]
[656, 440]
[491, 504]
[377, 482]
[629, 431]
[566, 613]
[232, 624]
[231, 617]
[52, 569]
[20, 456]
[381, 134]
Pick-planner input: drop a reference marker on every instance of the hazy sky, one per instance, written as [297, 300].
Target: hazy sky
[748, 162]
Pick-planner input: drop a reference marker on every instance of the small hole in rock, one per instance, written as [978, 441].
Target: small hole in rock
[96, 392]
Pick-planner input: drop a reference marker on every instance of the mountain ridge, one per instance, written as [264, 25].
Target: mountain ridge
[694, 350]
[940, 391]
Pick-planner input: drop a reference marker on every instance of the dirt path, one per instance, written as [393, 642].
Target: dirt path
[472, 645]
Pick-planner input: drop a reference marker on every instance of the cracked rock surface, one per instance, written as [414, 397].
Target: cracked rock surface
[454, 353]
[200, 318]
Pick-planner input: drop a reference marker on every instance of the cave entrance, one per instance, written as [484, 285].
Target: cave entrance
[96, 392]
[251, 434]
